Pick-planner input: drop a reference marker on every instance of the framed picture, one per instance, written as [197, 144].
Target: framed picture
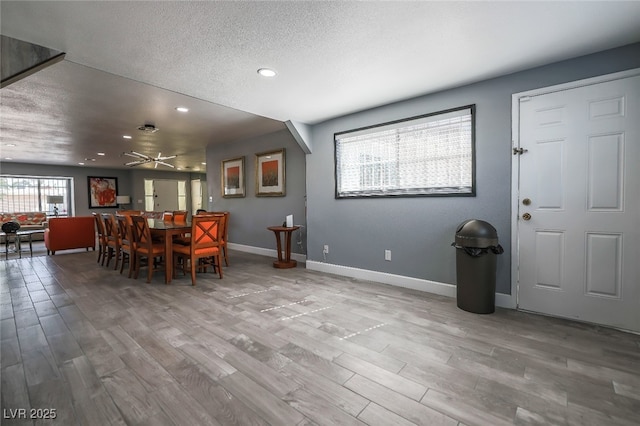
[232, 175]
[270, 179]
[102, 192]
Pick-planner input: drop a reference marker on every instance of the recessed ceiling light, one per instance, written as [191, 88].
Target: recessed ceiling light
[101, 153]
[11, 144]
[82, 164]
[127, 137]
[182, 109]
[267, 72]
[8, 158]
[203, 163]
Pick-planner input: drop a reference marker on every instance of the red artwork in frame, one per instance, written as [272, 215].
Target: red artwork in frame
[102, 192]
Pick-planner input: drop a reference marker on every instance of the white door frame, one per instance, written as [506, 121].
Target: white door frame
[515, 164]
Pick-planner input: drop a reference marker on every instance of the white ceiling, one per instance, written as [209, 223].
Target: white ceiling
[332, 58]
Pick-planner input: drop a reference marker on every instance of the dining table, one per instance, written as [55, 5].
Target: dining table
[161, 229]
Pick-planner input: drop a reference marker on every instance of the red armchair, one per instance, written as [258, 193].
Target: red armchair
[66, 233]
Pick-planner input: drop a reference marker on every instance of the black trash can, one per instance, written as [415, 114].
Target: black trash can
[476, 249]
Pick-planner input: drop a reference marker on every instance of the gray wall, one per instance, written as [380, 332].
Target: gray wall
[419, 231]
[251, 215]
[130, 181]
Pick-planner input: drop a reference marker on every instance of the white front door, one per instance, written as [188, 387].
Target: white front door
[578, 223]
[165, 193]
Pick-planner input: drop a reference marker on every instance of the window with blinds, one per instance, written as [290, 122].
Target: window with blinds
[421, 156]
[20, 193]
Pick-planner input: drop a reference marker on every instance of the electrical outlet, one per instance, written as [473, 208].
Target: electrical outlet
[325, 249]
[387, 255]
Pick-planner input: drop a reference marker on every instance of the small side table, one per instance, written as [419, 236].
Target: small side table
[284, 259]
[29, 234]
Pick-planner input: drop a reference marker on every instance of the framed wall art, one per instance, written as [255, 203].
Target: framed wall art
[232, 178]
[270, 174]
[102, 192]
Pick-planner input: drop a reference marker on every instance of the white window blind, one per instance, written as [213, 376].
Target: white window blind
[427, 155]
[21, 193]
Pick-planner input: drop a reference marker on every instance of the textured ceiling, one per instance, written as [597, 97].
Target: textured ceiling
[332, 58]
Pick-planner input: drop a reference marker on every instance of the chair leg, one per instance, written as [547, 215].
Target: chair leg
[218, 259]
[193, 271]
[174, 259]
[132, 258]
[124, 256]
[226, 259]
[112, 255]
[151, 263]
[138, 257]
[117, 256]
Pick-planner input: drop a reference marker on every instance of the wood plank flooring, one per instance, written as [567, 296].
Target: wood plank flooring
[291, 347]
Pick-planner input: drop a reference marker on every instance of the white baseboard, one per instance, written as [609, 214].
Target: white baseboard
[443, 289]
[264, 251]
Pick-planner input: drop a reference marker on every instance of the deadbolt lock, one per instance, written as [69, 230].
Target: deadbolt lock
[526, 201]
[526, 216]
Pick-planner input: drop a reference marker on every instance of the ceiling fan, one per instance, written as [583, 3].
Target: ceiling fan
[144, 159]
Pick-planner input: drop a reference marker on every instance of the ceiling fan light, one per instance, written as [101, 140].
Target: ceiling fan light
[148, 128]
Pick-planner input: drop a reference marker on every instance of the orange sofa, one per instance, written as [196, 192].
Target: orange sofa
[66, 233]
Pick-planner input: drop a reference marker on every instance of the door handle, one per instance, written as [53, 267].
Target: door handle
[526, 216]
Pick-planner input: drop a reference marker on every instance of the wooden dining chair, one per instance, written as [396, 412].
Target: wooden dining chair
[180, 216]
[146, 247]
[127, 245]
[204, 248]
[102, 238]
[167, 216]
[129, 212]
[225, 236]
[113, 239]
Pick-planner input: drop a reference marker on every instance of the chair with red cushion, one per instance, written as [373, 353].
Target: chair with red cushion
[146, 247]
[204, 247]
[179, 216]
[127, 245]
[102, 238]
[225, 236]
[113, 238]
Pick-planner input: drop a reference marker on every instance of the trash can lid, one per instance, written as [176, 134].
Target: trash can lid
[476, 233]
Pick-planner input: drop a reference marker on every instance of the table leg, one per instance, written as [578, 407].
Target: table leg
[287, 255]
[284, 258]
[168, 258]
[279, 245]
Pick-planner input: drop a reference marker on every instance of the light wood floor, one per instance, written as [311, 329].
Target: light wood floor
[292, 347]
